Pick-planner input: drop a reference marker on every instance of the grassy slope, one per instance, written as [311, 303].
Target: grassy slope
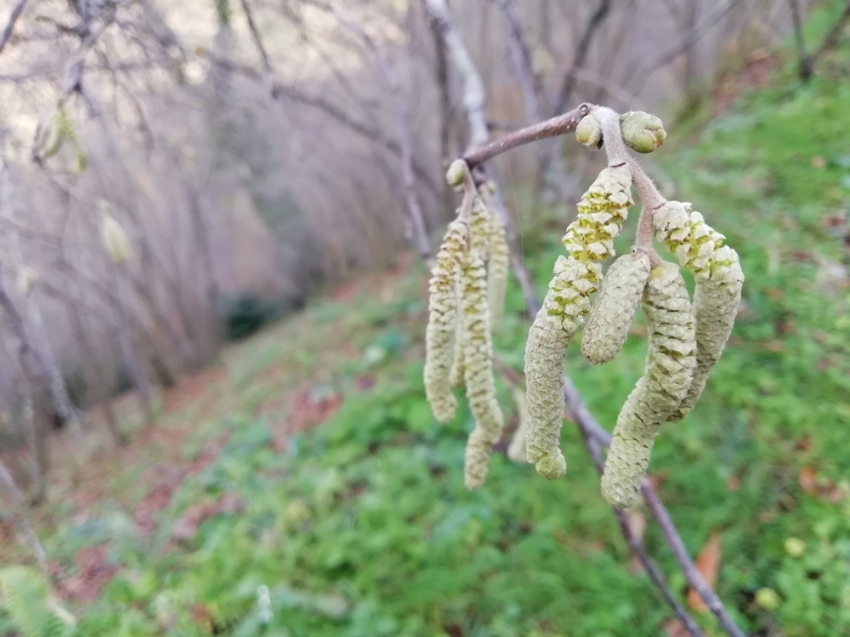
[363, 527]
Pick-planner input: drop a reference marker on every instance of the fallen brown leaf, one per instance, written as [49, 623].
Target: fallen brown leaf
[707, 563]
[675, 628]
[808, 480]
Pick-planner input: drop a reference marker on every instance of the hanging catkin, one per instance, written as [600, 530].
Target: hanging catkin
[589, 240]
[497, 271]
[478, 370]
[457, 371]
[442, 318]
[670, 363]
[611, 315]
[115, 240]
[719, 280]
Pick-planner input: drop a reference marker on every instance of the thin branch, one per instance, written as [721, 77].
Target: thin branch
[568, 83]
[473, 87]
[637, 547]
[803, 59]
[560, 125]
[17, 10]
[831, 39]
[255, 36]
[388, 74]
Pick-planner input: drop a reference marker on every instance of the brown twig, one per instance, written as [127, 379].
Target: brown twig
[560, 125]
[17, 10]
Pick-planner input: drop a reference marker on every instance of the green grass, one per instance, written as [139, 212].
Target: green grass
[363, 527]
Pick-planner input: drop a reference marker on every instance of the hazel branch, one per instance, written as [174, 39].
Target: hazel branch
[560, 125]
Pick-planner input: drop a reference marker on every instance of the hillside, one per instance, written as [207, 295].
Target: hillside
[303, 488]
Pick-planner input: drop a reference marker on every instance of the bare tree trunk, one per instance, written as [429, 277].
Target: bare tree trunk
[58, 392]
[441, 71]
[132, 358]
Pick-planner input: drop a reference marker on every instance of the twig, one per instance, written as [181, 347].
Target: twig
[803, 59]
[831, 39]
[636, 545]
[692, 574]
[17, 10]
[568, 83]
[417, 220]
[560, 125]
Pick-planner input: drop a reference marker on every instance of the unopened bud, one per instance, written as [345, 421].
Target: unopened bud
[456, 172]
[642, 132]
[589, 132]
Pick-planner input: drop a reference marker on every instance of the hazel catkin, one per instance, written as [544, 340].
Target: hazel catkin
[670, 363]
[588, 240]
[719, 281]
[497, 271]
[442, 318]
[478, 369]
[115, 240]
[611, 315]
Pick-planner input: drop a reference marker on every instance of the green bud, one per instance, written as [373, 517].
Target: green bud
[642, 132]
[589, 132]
[456, 172]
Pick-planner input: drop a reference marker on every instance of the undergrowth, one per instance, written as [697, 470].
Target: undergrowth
[362, 527]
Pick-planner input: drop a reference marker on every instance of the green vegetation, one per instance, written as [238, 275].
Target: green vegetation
[362, 527]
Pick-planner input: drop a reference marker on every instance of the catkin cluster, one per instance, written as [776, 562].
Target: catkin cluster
[467, 290]
[589, 240]
[685, 339]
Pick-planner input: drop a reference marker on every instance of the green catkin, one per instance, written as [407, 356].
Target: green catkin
[497, 271]
[719, 280]
[589, 240]
[115, 240]
[670, 362]
[611, 315]
[478, 370]
[457, 371]
[479, 241]
[442, 318]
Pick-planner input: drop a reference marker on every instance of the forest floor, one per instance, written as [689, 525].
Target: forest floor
[302, 487]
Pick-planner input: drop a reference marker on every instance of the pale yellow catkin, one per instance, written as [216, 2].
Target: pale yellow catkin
[497, 271]
[670, 362]
[612, 313]
[480, 219]
[458, 369]
[115, 240]
[442, 319]
[478, 370]
[589, 240]
[719, 281]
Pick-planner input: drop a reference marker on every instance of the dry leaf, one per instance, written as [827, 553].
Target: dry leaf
[808, 480]
[675, 628]
[707, 563]
[733, 483]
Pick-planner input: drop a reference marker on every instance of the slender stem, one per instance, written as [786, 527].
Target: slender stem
[652, 199]
[612, 135]
[692, 574]
[636, 545]
[560, 125]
